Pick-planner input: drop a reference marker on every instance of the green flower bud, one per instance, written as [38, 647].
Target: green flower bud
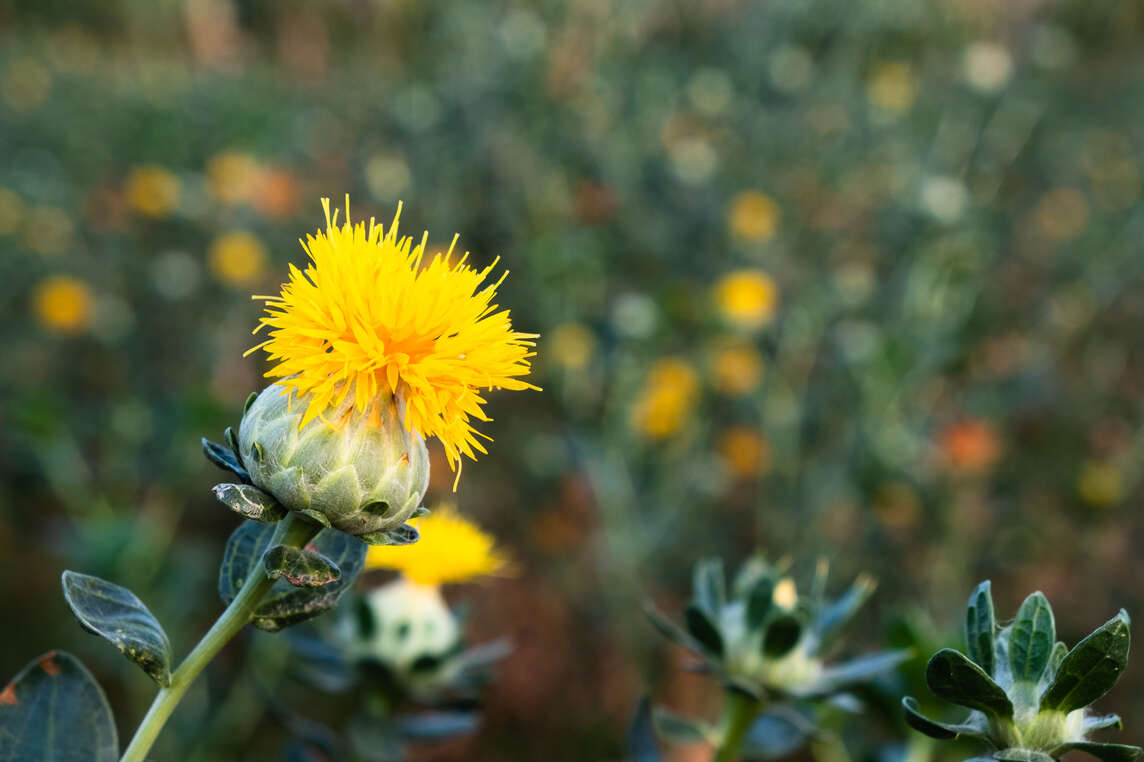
[364, 475]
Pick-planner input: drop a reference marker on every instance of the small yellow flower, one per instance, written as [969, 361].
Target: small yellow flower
[753, 215]
[571, 345]
[152, 190]
[451, 549]
[1100, 484]
[371, 318]
[233, 177]
[745, 452]
[736, 368]
[666, 400]
[747, 298]
[892, 87]
[237, 258]
[63, 304]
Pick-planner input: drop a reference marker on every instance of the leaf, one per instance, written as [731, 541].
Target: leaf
[759, 603]
[1099, 722]
[55, 711]
[773, 735]
[116, 614]
[1091, 668]
[782, 635]
[670, 630]
[677, 729]
[1031, 638]
[703, 629]
[300, 567]
[1108, 752]
[432, 726]
[1022, 755]
[861, 669]
[641, 743]
[225, 459]
[250, 502]
[835, 616]
[400, 535]
[932, 728]
[709, 587]
[285, 604]
[981, 626]
[953, 677]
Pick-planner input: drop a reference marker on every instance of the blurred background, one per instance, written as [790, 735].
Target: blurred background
[853, 279]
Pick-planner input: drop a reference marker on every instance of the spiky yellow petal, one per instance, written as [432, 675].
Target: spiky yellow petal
[369, 317]
[451, 549]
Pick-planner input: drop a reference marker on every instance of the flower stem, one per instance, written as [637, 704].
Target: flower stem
[294, 531]
[739, 712]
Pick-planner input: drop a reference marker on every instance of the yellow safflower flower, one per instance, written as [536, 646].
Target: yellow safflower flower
[368, 317]
[747, 298]
[237, 258]
[571, 345]
[753, 215]
[668, 395]
[152, 190]
[892, 86]
[451, 549]
[63, 304]
[1100, 484]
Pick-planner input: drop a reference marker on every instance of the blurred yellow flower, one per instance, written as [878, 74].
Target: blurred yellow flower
[63, 304]
[152, 190]
[571, 345]
[451, 549]
[667, 397]
[233, 176]
[25, 84]
[753, 215]
[237, 258]
[736, 367]
[747, 298]
[1062, 214]
[1100, 484]
[11, 211]
[892, 86]
[745, 452]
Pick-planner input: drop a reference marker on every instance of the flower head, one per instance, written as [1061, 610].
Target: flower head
[369, 317]
[451, 549]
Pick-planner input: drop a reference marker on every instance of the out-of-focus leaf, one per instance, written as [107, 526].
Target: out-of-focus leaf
[434, 726]
[641, 742]
[670, 630]
[1091, 668]
[708, 587]
[782, 635]
[703, 629]
[829, 623]
[116, 614]
[677, 729]
[861, 669]
[774, 735]
[55, 711]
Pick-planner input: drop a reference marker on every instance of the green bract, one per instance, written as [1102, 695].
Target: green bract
[1027, 691]
[364, 475]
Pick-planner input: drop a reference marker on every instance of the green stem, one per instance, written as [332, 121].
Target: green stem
[739, 712]
[294, 531]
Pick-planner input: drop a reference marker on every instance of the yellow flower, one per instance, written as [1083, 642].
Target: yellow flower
[745, 451]
[451, 549]
[736, 368]
[572, 344]
[753, 215]
[233, 176]
[1100, 484]
[370, 317]
[747, 298]
[62, 304]
[892, 87]
[152, 190]
[666, 399]
[237, 258]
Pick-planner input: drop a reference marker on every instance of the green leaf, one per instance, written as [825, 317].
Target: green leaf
[952, 676]
[1099, 722]
[670, 630]
[54, 711]
[1108, 752]
[300, 567]
[433, 726]
[677, 729]
[703, 629]
[250, 502]
[225, 459]
[285, 604]
[709, 587]
[861, 669]
[981, 626]
[641, 743]
[1022, 755]
[782, 635]
[116, 614]
[759, 603]
[1056, 658]
[401, 535]
[932, 728]
[833, 618]
[1091, 668]
[1031, 638]
[773, 735]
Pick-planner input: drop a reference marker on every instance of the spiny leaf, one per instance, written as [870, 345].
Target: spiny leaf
[953, 677]
[116, 614]
[1108, 752]
[225, 459]
[1031, 638]
[250, 502]
[932, 728]
[55, 711]
[1099, 722]
[300, 567]
[1091, 668]
[981, 626]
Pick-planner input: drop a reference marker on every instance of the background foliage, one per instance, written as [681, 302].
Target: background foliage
[929, 370]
